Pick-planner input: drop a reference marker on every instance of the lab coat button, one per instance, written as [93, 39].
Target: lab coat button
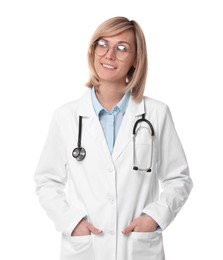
[111, 232]
[110, 170]
[110, 198]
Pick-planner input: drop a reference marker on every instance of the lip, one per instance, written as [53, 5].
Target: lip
[108, 66]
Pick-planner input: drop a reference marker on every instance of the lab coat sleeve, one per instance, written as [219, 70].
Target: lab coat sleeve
[173, 173]
[51, 177]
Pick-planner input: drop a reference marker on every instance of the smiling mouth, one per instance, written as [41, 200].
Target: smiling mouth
[108, 66]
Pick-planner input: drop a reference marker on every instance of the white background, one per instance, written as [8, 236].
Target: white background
[43, 47]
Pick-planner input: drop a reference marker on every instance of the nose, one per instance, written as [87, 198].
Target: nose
[110, 55]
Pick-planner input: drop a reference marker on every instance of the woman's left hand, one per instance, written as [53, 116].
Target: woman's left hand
[141, 224]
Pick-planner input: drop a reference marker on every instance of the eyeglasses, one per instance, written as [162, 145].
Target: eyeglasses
[121, 51]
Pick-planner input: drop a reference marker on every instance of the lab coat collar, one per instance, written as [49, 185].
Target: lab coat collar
[92, 125]
[85, 107]
[125, 134]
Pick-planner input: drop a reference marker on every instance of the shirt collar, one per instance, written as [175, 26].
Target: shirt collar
[122, 105]
[96, 104]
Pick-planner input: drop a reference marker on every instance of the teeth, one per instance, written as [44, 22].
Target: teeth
[108, 66]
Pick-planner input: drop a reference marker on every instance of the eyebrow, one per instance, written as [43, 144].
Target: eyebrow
[117, 42]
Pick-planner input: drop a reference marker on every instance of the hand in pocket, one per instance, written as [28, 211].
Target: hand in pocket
[84, 228]
[141, 224]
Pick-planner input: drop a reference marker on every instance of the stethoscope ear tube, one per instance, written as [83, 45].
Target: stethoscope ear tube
[135, 168]
[143, 119]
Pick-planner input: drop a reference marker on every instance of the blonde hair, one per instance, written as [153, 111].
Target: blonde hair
[136, 77]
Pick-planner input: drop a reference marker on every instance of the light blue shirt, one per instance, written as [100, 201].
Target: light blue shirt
[110, 121]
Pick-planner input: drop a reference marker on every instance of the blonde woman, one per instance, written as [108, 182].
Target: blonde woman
[112, 147]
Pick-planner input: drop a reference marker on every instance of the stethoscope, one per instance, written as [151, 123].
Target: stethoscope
[151, 133]
[79, 153]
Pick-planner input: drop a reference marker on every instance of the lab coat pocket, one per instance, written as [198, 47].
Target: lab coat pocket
[146, 246]
[143, 155]
[77, 247]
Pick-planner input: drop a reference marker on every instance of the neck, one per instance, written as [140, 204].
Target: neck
[110, 95]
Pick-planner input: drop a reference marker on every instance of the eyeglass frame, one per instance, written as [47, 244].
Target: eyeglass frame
[113, 47]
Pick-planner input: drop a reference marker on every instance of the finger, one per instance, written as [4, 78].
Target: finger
[94, 230]
[129, 229]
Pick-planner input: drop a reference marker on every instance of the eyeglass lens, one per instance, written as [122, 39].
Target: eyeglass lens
[121, 51]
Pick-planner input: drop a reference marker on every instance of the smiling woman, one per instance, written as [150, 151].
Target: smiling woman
[119, 32]
[113, 60]
[126, 145]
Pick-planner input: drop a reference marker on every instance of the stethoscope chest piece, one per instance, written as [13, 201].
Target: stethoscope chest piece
[79, 153]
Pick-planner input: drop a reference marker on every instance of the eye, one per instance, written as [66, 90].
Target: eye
[102, 44]
[121, 48]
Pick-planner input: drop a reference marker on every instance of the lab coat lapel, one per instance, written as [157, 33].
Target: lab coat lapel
[92, 125]
[125, 134]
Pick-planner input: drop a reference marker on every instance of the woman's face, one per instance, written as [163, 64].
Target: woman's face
[114, 56]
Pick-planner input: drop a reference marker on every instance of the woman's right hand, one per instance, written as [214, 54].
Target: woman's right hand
[84, 228]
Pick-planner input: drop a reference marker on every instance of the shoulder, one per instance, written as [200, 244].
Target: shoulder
[154, 104]
[65, 110]
[71, 107]
[158, 110]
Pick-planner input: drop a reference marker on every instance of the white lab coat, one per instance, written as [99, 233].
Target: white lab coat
[104, 188]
